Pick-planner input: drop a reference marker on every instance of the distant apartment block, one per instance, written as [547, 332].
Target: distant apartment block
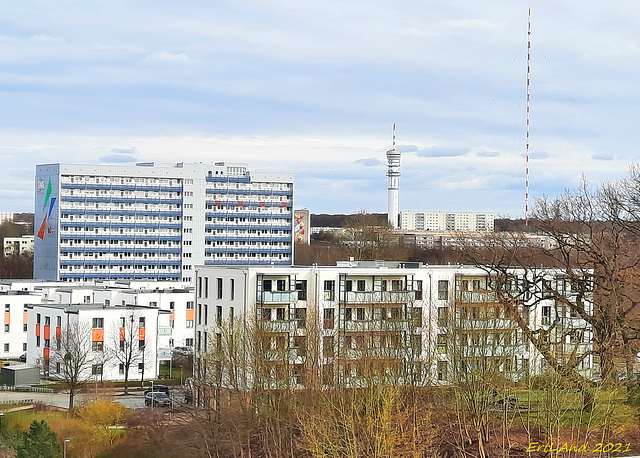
[17, 246]
[6, 216]
[446, 221]
[156, 222]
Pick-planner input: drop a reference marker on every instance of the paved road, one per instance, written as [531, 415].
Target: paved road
[132, 401]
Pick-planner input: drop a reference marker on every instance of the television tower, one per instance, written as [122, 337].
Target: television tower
[393, 172]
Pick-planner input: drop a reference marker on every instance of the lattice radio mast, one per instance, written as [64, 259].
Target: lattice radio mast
[526, 184]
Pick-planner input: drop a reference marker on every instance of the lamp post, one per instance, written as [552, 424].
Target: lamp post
[152, 395]
[64, 448]
[1, 415]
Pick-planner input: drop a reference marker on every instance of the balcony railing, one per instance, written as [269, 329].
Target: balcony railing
[476, 296]
[377, 325]
[278, 296]
[279, 325]
[387, 297]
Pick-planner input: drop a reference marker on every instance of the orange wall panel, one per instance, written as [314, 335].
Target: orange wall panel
[7, 317]
[142, 333]
[47, 332]
[97, 335]
[191, 314]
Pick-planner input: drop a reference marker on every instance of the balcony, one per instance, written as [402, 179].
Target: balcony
[164, 331]
[475, 296]
[380, 297]
[279, 325]
[278, 296]
[377, 325]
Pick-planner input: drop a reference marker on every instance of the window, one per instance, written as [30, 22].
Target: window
[329, 290]
[416, 316]
[546, 315]
[281, 285]
[327, 346]
[188, 342]
[7, 308]
[6, 328]
[96, 369]
[266, 285]
[328, 318]
[121, 369]
[443, 316]
[219, 315]
[360, 285]
[348, 286]
[98, 323]
[396, 285]
[24, 327]
[443, 290]
[232, 289]
[348, 316]
[301, 288]
[24, 346]
[416, 344]
[190, 305]
[141, 344]
[140, 368]
[219, 287]
[142, 321]
[189, 323]
[97, 346]
[280, 313]
[418, 289]
[58, 321]
[360, 313]
[442, 370]
[6, 347]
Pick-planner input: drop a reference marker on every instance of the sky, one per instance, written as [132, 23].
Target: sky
[314, 88]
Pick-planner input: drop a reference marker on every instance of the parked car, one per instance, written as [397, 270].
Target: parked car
[158, 389]
[159, 399]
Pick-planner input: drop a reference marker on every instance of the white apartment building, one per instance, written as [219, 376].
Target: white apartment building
[173, 302]
[446, 221]
[104, 328]
[394, 316]
[13, 338]
[156, 222]
[17, 246]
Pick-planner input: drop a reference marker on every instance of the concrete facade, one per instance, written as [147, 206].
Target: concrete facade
[156, 222]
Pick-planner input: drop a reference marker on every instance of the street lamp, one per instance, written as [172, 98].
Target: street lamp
[64, 447]
[152, 395]
[1, 415]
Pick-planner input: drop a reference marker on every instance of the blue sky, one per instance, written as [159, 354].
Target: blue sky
[314, 87]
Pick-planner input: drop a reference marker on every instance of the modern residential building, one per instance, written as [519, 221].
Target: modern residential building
[404, 322]
[172, 302]
[103, 330]
[18, 246]
[13, 338]
[156, 222]
[446, 221]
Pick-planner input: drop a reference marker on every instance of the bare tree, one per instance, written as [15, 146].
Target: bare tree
[127, 343]
[72, 351]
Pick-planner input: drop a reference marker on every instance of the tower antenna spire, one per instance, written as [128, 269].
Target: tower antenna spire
[526, 183]
[393, 172]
